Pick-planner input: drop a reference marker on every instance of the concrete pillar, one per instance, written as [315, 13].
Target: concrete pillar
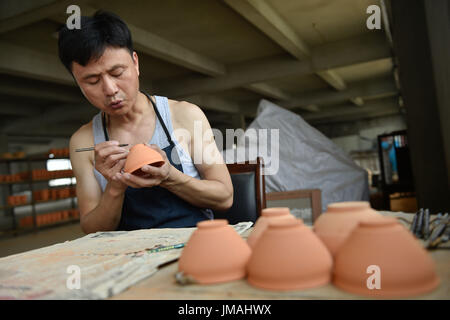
[438, 22]
[421, 45]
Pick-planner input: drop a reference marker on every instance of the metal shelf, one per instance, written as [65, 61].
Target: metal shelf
[32, 183]
[33, 203]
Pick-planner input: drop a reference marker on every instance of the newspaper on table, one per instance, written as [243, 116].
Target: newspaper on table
[108, 263]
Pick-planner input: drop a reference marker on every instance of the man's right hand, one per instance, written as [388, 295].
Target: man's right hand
[109, 160]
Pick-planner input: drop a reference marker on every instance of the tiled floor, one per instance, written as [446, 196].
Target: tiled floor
[39, 239]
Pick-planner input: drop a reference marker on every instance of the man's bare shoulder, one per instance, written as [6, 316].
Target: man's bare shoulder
[83, 137]
[185, 113]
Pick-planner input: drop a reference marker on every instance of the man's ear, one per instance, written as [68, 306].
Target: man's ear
[136, 62]
[78, 85]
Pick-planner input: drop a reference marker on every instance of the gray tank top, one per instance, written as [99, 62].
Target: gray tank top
[159, 138]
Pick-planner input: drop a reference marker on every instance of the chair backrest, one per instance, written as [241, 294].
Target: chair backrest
[249, 196]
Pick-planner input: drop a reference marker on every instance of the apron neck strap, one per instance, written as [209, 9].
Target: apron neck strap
[169, 138]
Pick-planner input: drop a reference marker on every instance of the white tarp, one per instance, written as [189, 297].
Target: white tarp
[305, 158]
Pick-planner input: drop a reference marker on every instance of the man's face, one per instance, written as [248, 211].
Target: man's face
[110, 83]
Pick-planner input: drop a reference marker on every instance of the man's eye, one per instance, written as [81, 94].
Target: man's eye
[95, 82]
[117, 74]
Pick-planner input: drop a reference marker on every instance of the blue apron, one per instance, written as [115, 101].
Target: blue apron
[157, 207]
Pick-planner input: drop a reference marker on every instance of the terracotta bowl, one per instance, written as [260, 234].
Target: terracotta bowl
[289, 256]
[214, 253]
[267, 215]
[141, 155]
[384, 247]
[336, 224]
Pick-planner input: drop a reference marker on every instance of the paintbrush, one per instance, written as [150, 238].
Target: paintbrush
[92, 148]
[159, 249]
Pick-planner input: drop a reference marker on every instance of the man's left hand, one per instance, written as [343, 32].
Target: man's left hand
[152, 175]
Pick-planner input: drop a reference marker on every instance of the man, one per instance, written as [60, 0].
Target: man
[180, 193]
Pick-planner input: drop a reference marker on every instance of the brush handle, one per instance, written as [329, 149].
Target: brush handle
[176, 246]
[92, 148]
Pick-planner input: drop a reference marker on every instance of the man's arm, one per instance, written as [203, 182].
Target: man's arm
[98, 211]
[215, 190]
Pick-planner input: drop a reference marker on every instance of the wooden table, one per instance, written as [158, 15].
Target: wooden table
[162, 285]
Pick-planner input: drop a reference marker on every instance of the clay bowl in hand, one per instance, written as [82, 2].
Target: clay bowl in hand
[141, 155]
[382, 258]
[336, 224]
[289, 256]
[267, 215]
[214, 253]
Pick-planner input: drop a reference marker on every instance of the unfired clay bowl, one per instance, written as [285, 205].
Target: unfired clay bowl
[382, 258]
[336, 224]
[214, 253]
[289, 256]
[141, 155]
[267, 215]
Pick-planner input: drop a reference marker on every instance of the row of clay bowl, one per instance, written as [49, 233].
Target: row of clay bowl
[43, 174]
[36, 174]
[50, 218]
[16, 177]
[54, 194]
[17, 200]
[42, 195]
[281, 253]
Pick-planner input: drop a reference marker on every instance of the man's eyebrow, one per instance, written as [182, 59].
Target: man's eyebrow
[114, 67]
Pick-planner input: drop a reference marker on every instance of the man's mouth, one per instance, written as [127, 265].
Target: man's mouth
[116, 104]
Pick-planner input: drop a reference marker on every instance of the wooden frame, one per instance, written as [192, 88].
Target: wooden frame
[260, 185]
[314, 194]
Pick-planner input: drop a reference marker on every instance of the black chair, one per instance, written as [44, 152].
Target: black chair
[249, 196]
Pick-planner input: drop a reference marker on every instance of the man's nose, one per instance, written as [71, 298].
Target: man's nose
[109, 86]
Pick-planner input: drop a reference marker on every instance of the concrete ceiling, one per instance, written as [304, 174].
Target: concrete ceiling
[315, 57]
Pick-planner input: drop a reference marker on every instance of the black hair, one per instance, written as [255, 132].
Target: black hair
[98, 32]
